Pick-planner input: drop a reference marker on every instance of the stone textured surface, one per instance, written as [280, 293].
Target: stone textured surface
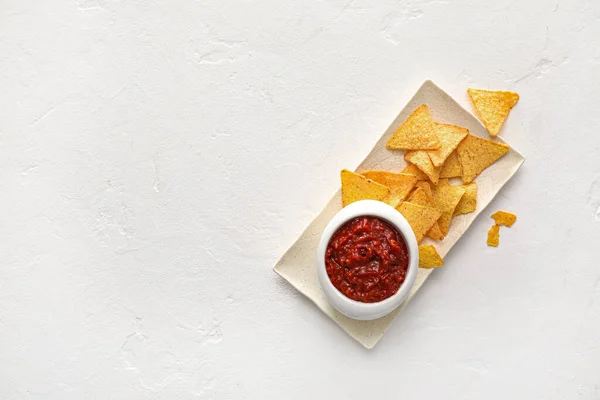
[157, 157]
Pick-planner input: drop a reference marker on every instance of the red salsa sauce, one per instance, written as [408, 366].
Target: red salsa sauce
[367, 259]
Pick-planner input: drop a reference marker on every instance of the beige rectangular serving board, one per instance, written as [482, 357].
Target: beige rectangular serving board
[298, 264]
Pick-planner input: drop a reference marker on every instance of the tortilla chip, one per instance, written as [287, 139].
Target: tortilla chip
[356, 187]
[421, 197]
[420, 218]
[468, 203]
[435, 232]
[494, 236]
[446, 199]
[414, 170]
[451, 168]
[429, 257]
[492, 107]
[449, 136]
[416, 133]
[423, 162]
[400, 185]
[427, 189]
[504, 218]
[476, 154]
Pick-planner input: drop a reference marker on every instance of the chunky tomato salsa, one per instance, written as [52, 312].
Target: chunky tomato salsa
[367, 259]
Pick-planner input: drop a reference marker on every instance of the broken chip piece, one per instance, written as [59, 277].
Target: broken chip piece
[493, 238]
[476, 154]
[492, 107]
[504, 218]
[400, 185]
[429, 257]
[356, 187]
[416, 133]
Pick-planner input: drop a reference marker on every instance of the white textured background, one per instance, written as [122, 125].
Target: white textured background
[157, 157]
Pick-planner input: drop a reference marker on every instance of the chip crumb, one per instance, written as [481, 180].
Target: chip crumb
[504, 218]
[429, 257]
[493, 238]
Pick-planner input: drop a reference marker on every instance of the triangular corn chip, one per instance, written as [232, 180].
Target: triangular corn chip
[435, 232]
[400, 185]
[492, 107]
[429, 257]
[504, 218]
[427, 189]
[468, 203]
[449, 136]
[420, 218]
[414, 170]
[356, 187]
[421, 197]
[451, 168]
[476, 154]
[446, 199]
[416, 133]
[493, 238]
[423, 162]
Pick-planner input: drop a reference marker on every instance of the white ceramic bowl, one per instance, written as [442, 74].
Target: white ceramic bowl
[356, 309]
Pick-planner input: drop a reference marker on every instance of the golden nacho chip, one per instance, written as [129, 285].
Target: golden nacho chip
[429, 257]
[446, 199]
[420, 218]
[451, 168]
[421, 159]
[421, 197]
[504, 218]
[412, 169]
[468, 203]
[493, 238]
[492, 107]
[400, 185]
[476, 154]
[427, 189]
[435, 232]
[416, 133]
[356, 187]
[449, 136]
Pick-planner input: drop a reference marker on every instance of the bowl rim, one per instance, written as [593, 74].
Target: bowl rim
[356, 309]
